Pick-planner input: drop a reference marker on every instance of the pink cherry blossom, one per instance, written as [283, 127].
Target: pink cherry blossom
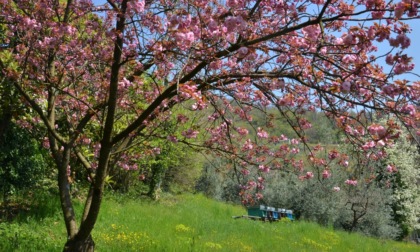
[242, 52]
[136, 6]
[401, 40]
[261, 133]
[172, 139]
[369, 145]
[326, 174]
[348, 39]
[247, 145]
[190, 133]
[409, 109]
[242, 131]
[295, 141]
[245, 172]
[309, 175]
[376, 129]
[391, 169]
[346, 86]
[99, 77]
[234, 3]
[333, 154]
[264, 168]
[351, 182]
[235, 24]
[184, 40]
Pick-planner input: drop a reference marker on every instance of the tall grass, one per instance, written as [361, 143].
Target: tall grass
[186, 223]
[195, 223]
[37, 227]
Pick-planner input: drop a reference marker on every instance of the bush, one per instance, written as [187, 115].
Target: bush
[364, 208]
[22, 162]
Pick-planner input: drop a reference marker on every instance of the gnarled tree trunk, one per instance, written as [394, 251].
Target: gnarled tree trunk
[77, 245]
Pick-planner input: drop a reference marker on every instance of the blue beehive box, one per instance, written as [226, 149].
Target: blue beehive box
[275, 215]
[289, 214]
[258, 211]
[270, 212]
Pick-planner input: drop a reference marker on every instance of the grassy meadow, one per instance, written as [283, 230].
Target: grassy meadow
[181, 223]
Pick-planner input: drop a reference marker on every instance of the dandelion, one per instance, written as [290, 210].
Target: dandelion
[182, 228]
[213, 245]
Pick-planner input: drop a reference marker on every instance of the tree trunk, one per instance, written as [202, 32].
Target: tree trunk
[76, 245]
[156, 180]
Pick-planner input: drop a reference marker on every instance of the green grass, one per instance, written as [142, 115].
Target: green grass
[186, 223]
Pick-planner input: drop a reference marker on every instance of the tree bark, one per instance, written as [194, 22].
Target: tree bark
[79, 245]
[82, 239]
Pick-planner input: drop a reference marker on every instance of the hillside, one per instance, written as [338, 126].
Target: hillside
[184, 223]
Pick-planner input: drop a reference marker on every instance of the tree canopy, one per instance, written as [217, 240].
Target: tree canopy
[103, 78]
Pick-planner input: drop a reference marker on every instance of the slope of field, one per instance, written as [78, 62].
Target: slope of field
[186, 223]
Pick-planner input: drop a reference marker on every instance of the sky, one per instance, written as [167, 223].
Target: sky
[413, 51]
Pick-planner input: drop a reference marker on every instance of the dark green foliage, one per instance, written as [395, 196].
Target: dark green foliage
[19, 233]
[175, 170]
[182, 175]
[323, 129]
[22, 162]
[218, 182]
[43, 205]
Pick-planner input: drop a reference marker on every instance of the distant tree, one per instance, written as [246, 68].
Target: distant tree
[324, 130]
[401, 172]
[78, 72]
[218, 180]
[363, 207]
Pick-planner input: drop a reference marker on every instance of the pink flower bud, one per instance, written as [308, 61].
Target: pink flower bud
[326, 174]
[309, 175]
[351, 182]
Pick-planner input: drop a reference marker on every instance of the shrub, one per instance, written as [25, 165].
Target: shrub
[22, 162]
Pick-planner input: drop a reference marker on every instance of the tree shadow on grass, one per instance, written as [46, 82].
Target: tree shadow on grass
[34, 207]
